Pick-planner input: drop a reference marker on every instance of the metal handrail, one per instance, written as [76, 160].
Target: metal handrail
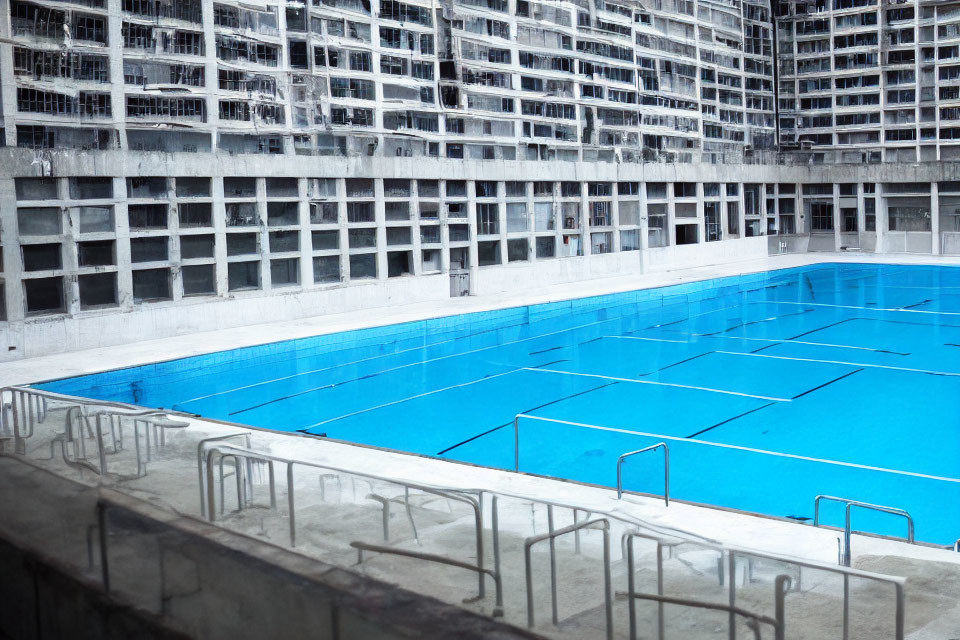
[598, 523]
[846, 556]
[666, 469]
[457, 495]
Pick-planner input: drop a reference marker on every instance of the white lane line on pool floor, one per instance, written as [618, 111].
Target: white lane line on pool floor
[402, 400]
[387, 370]
[659, 384]
[773, 340]
[850, 306]
[779, 454]
[851, 364]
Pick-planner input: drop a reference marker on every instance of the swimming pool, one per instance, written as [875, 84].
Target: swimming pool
[769, 388]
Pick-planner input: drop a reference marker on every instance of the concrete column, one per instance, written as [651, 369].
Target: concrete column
[861, 216]
[12, 268]
[265, 281]
[341, 191]
[444, 227]
[220, 235]
[935, 218]
[585, 220]
[306, 241]
[380, 216]
[121, 221]
[417, 258]
[472, 222]
[502, 220]
[644, 224]
[882, 222]
[837, 219]
[173, 244]
[615, 218]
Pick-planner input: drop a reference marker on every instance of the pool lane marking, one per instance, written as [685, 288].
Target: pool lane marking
[826, 326]
[507, 424]
[779, 454]
[828, 383]
[774, 340]
[850, 306]
[851, 364]
[723, 422]
[679, 363]
[916, 304]
[414, 397]
[382, 371]
[660, 384]
[745, 324]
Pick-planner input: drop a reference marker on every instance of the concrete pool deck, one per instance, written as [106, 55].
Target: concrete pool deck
[770, 535]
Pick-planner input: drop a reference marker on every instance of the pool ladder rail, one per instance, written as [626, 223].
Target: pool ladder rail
[844, 554]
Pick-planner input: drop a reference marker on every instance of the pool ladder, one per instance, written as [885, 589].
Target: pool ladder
[844, 555]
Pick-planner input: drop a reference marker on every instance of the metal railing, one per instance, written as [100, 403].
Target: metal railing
[666, 469]
[211, 452]
[23, 408]
[603, 524]
[238, 453]
[846, 555]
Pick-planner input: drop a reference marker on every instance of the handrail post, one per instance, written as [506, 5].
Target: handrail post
[291, 505]
[516, 442]
[781, 585]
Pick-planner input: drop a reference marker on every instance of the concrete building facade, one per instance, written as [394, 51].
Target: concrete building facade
[293, 159]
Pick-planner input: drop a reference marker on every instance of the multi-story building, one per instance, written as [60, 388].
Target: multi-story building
[491, 79]
[870, 81]
[166, 154]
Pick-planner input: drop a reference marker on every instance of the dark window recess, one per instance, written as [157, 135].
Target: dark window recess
[44, 295]
[399, 263]
[285, 272]
[196, 214]
[193, 187]
[325, 240]
[148, 249]
[97, 290]
[239, 187]
[363, 266]
[284, 241]
[196, 246]
[488, 253]
[362, 238]
[39, 221]
[243, 275]
[546, 247]
[242, 214]
[91, 188]
[687, 234]
[36, 189]
[239, 244]
[151, 285]
[282, 213]
[147, 216]
[518, 250]
[282, 188]
[152, 188]
[96, 253]
[198, 280]
[41, 257]
[326, 269]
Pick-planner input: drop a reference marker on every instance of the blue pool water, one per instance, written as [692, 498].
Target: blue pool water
[840, 379]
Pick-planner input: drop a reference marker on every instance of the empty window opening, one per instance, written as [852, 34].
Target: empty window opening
[285, 272]
[243, 276]
[151, 285]
[149, 249]
[196, 246]
[363, 265]
[96, 253]
[199, 280]
[42, 257]
[44, 295]
[97, 290]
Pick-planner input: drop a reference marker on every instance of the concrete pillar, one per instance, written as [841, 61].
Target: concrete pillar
[585, 241]
[837, 219]
[935, 218]
[220, 235]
